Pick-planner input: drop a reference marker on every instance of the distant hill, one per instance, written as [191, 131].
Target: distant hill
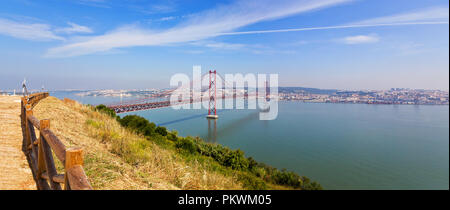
[307, 90]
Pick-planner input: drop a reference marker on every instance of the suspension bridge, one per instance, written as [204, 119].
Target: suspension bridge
[208, 94]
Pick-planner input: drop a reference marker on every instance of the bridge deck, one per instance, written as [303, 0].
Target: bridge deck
[122, 108]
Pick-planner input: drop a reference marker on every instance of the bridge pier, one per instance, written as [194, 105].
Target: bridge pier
[212, 116]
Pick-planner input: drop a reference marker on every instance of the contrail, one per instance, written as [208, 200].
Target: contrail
[331, 27]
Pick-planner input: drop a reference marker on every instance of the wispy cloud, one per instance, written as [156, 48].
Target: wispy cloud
[220, 45]
[141, 6]
[74, 28]
[38, 31]
[167, 18]
[94, 3]
[359, 39]
[211, 23]
[226, 19]
[251, 48]
[161, 8]
[156, 7]
[27, 31]
[163, 19]
[332, 27]
[428, 14]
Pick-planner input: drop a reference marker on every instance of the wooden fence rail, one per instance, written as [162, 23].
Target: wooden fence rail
[39, 152]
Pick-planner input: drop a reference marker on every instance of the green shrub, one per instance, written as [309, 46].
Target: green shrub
[236, 160]
[187, 144]
[172, 136]
[251, 182]
[312, 186]
[307, 185]
[138, 124]
[287, 178]
[259, 172]
[161, 130]
[251, 163]
[102, 108]
[225, 156]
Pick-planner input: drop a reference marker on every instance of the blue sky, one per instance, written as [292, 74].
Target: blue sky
[343, 44]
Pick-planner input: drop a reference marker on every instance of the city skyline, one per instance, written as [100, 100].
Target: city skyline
[327, 44]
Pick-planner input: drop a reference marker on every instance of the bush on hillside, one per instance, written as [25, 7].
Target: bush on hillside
[312, 186]
[251, 163]
[225, 156]
[102, 108]
[138, 124]
[251, 182]
[161, 131]
[172, 136]
[287, 178]
[187, 144]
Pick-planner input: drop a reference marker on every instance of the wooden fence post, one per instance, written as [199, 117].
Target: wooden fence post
[28, 112]
[74, 156]
[41, 183]
[41, 158]
[75, 177]
[48, 156]
[22, 123]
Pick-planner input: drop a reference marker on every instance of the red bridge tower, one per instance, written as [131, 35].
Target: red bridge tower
[212, 112]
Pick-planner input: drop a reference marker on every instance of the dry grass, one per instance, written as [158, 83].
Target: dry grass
[116, 158]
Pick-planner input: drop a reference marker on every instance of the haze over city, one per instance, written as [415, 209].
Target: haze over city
[338, 44]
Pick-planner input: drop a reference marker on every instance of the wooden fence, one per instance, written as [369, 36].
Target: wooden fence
[39, 152]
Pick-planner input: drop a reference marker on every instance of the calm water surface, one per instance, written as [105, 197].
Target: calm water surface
[342, 146]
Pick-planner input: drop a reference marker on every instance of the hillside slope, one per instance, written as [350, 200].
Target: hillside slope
[116, 158]
[133, 153]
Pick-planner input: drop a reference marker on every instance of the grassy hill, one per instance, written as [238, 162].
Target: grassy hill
[132, 153]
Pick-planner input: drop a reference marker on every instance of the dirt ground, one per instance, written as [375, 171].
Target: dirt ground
[15, 173]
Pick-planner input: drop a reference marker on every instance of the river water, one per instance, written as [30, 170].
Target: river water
[342, 146]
